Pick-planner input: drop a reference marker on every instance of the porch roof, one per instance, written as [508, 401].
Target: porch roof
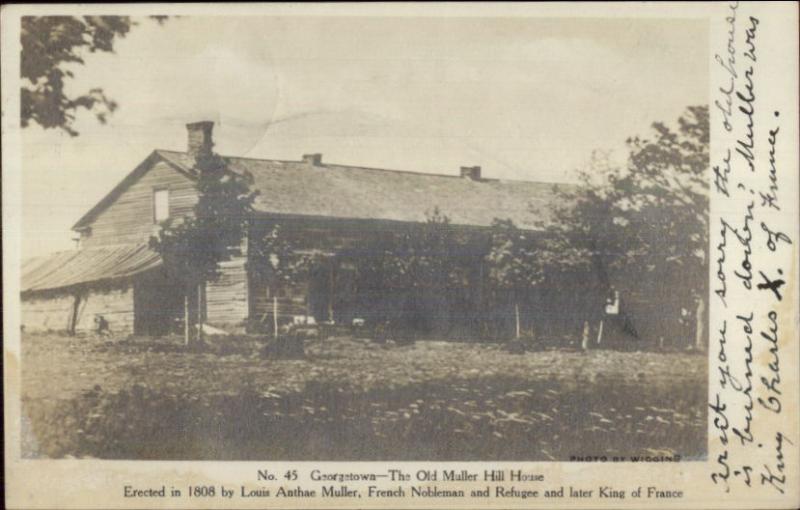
[87, 266]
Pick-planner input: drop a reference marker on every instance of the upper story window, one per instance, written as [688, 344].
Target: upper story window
[160, 205]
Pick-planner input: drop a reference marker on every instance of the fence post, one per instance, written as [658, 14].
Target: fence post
[199, 312]
[699, 342]
[600, 332]
[275, 315]
[186, 317]
[585, 338]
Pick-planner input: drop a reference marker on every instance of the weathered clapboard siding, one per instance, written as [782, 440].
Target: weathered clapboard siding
[226, 298]
[55, 313]
[116, 307]
[52, 313]
[129, 218]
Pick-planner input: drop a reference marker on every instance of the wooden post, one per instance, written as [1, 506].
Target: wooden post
[699, 340]
[600, 332]
[481, 322]
[308, 276]
[308, 305]
[275, 315]
[186, 318]
[585, 339]
[199, 312]
[330, 291]
[516, 316]
[72, 322]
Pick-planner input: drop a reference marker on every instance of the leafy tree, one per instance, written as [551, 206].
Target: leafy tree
[425, 255]
[645, 225]
[193, 246]
[519, 262]
[50, 45]
[409, 270]
[276, 259]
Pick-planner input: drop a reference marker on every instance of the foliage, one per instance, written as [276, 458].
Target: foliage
[352, 400]
[519, 259]
[645, 225]
[51, 46]
[397, 271]
[193, 246]
[514, 260]
[277, 259]
[413, 273]
[427, 255]
[534, 271]
[667, 186]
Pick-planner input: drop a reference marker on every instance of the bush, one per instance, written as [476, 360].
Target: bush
[524, 344]
[284, 347]
[392, 331]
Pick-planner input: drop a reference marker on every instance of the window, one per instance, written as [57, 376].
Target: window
[160, 205]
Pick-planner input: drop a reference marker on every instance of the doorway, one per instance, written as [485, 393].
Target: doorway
[158, 305]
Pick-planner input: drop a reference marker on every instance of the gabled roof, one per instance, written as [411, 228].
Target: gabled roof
[298, 188]
[341, 191]
[88, 265]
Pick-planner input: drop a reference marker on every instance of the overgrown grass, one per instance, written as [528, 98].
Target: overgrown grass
[354, 400]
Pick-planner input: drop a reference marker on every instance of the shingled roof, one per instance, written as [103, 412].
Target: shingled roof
[306, 188]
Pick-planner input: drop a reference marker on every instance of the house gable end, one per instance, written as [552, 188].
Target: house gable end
[142, 168]
[126, 214]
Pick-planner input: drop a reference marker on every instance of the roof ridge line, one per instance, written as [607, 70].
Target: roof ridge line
[378, 169]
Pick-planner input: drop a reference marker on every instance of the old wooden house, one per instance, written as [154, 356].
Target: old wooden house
[115, 278]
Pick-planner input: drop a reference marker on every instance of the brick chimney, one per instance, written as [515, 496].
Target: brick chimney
[200, 139]
[312, 159]
[471, 172]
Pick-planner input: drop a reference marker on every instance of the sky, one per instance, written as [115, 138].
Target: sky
[524, 98]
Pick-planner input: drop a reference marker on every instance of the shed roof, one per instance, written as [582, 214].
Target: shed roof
[88, 265]
[353, 192]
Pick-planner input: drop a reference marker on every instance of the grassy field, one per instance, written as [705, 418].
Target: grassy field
[355, 400]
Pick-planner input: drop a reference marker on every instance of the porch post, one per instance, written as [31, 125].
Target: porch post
[331, 287]
[200, 307]
[186, 317]
[275, 316]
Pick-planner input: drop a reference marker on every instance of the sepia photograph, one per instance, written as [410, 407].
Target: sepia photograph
[333, 238]
[401, 255]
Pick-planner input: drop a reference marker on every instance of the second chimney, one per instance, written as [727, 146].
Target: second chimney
[313, 159]
[200, 138]
[471, 172]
